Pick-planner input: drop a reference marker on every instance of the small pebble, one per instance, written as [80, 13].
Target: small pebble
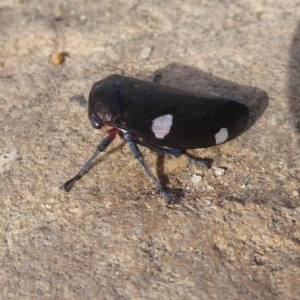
[218, 171]
[58, 58]
[145, 52]
[209, 188]
[8, 158]
[196, 179]
[207, 202]
[82, 18]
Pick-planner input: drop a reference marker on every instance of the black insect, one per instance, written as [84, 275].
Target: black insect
[160, 118]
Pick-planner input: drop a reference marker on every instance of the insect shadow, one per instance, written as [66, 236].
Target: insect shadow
[197, 81]
[164, 179]
[294, 78]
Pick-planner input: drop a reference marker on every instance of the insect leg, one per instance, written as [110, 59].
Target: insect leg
[198, 162]
[174, 152]
[138, 155]
[157, 78]
[80, 100]
[101, 147]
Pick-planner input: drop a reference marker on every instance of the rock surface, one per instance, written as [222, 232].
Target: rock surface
[112, 236]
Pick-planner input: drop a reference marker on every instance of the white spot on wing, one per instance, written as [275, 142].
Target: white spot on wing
[221, 136]
[161, 126]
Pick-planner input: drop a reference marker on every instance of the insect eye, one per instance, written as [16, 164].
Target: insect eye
[96, 123]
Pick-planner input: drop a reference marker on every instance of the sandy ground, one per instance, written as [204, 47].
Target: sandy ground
[234, 235]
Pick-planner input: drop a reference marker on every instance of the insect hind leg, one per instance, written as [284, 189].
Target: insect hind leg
[174, 152]
[200, 162]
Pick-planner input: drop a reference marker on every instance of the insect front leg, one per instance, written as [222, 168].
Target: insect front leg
[138, 155]
[101, 147]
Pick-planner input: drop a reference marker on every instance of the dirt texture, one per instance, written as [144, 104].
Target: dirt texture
[235, 231]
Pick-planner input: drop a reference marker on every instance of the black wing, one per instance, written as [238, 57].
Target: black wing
[197, 122]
